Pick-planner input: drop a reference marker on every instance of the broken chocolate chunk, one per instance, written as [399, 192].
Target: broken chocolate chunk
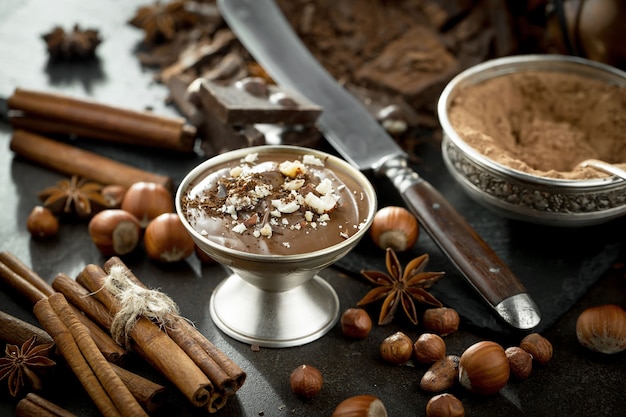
[234, 104]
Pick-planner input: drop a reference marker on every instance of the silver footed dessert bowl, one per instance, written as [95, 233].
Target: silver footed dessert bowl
[275, 216]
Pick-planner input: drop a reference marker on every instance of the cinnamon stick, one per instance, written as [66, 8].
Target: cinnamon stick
[26, 272]
[70, 351]
[29, 284]
[16, 281]
[149, 394]
[124, 401]
[35, 406]
[71, 160]
[82, 299]
[153, 345]
[16, 331]
[66, 114]
[225, 374]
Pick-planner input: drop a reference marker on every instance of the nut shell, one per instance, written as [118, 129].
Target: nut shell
[115, 232]
[167, 240]
[602, 329]
[42, 223]
[444, 405]
[306, 381]
[360, 406]
[394, 227]
[147, 200]
[484, 368]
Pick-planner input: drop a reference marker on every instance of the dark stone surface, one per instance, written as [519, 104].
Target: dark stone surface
[566, 270]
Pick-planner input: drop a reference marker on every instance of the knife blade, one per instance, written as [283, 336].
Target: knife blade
[347, 125]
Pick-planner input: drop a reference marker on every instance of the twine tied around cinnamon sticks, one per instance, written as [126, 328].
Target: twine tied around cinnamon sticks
[136, 301]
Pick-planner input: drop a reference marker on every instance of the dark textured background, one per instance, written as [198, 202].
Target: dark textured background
[565, 270]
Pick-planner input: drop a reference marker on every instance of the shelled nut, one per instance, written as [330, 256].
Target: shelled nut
[442, 320]
[397, 348]
[538, 346]
[520, 361]
[306, 381]
[442, 375]
[356, 323]
[429, 348]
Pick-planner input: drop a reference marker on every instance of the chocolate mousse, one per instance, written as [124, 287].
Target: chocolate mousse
[276, 204]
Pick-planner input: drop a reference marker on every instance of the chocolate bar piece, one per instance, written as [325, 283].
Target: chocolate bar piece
[252, 100]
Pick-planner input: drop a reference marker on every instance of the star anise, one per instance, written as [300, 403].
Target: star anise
[161, 22]
[74, 195]
[23, 366]
[401, 288]
[78, 43]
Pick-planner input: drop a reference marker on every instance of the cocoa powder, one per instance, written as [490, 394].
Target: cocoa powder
[544, 123]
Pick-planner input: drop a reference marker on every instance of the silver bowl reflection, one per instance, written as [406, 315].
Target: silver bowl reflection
[520, 195]
[276, 300]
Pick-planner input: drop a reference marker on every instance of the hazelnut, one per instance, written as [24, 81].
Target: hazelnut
[41, 223]
[113, 195]
[360, 406]
[167, 240]
[444, 405]
[114, 232]
[442, 321]
[442, 375]
[520, 362]
[146, 200]
[306, 381]
[484, 368]
[538, 346]
[397, 348]
[429, 348]
[204, 257]
[394, 227]
[602, 329]
[356, 323]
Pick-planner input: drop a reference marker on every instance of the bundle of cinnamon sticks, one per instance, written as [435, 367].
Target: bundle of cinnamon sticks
[73, 311]
[203, 373]
[18, 276]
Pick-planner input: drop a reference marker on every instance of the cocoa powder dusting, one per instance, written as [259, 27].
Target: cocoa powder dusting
[544, 123]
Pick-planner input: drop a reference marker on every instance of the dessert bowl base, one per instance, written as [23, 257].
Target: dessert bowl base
[274, 319]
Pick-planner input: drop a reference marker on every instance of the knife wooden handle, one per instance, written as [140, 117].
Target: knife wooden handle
[482, 267]
[464, 247]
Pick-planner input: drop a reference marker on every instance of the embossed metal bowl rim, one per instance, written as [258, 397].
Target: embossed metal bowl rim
[515, 64]
[366, 187]
[530, 213]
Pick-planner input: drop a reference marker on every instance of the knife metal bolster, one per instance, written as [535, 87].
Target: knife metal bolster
[520, 311]
[396, 168]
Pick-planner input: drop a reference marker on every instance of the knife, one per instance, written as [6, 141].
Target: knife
[362, 141]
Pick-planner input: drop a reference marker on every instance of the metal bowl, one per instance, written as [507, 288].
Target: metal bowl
[520, 195]
[276, 300]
